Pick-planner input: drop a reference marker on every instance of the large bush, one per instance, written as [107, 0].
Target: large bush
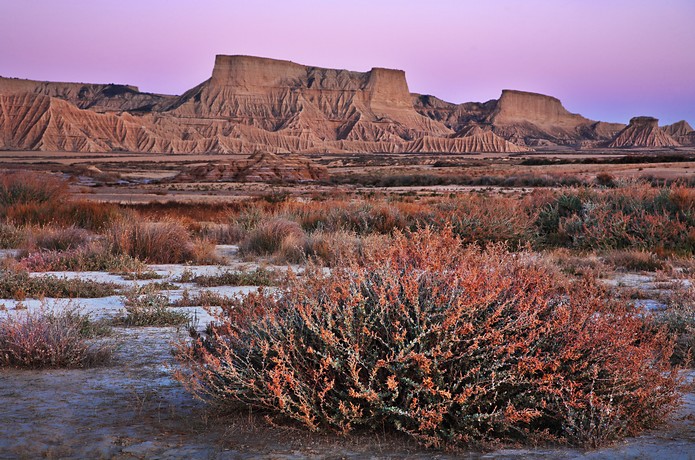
[445, 343]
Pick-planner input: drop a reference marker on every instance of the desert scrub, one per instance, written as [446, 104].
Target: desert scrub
[258, 277]
[52, 339]
[446, 343]
[202, 298]
[280, 237]
[58, 238]
[165, 242]
[19, 285]
[11, 237]
[637, 216]
[147, 306]
[95, 256]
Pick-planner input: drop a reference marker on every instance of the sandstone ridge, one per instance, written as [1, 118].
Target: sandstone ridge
[252, 104]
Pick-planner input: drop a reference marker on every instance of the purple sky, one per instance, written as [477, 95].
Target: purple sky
[606, 59]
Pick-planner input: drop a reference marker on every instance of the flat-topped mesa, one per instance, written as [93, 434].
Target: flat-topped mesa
[250, 71]
[388, 89]
[539, 109]
[385, 87]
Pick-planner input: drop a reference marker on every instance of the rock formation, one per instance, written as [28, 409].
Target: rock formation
[259, 167]
[100, 98]
[643, 132]
[526, 119]
[252, 104]
[681, 132]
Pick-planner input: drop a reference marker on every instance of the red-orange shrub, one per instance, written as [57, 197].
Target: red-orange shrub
[445, 343]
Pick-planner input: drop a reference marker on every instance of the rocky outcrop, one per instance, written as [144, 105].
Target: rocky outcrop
[681, 132]
[526, 119]
[252, 104]
[643, 132]
[259, 167]
[100, 98]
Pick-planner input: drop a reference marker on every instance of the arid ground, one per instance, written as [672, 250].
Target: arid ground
[131, 406]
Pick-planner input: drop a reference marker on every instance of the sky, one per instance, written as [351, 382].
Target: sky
[609, 60]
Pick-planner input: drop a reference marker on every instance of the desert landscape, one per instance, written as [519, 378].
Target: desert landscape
[290, 261]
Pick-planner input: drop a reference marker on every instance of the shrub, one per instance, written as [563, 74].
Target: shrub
[50, 339]
[445, 343]
[166, 242]
[145, 306]
[274, 236]
[58, 238]
[203, 298]
[11, 237]
[637, 216]
[635, 260]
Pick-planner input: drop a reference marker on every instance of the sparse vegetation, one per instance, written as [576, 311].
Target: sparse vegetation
[204, 298]
[257, 277]
[147, 306]
[20, 285]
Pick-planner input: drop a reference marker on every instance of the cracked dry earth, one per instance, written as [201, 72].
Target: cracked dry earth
[133, 409]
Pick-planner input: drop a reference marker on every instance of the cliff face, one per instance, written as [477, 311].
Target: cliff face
[319, 104]
[252, 104]
[643, 132]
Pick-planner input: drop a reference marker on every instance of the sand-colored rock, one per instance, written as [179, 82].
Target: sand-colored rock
[526, 119]
[259, 167]
[643, 132]
[97, 97]
[252, 104]
[681, 132]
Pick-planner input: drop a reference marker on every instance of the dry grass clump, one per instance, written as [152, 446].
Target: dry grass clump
[50, 339]
[28, 188]
[146, 306]
[447, 344]
[276, 236]
[11, 237]
[58, 238]
[331, 248]
[30, 198]
[258, 277]
[166, 242]
[635, 260]
[94, 256]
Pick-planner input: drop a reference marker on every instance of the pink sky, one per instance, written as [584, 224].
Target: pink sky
[606, 59]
